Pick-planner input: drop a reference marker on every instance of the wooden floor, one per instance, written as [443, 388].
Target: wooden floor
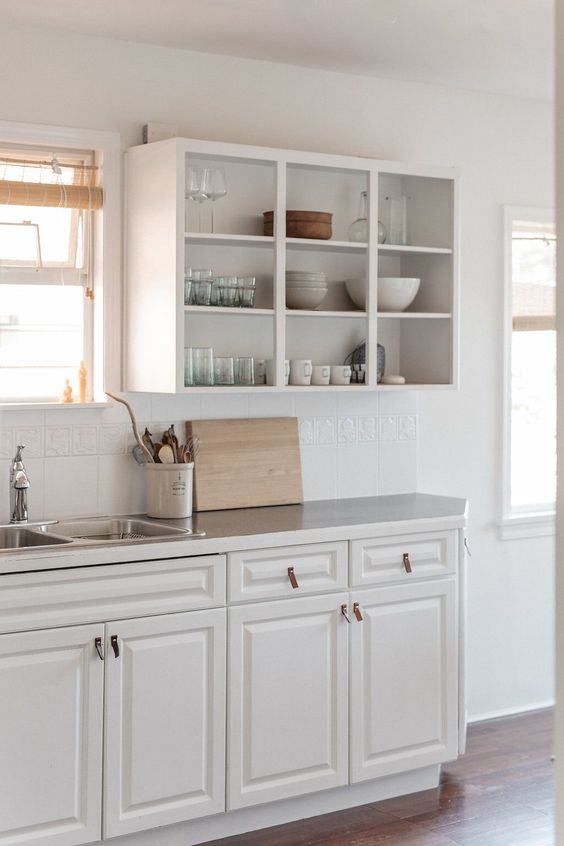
[499, 794]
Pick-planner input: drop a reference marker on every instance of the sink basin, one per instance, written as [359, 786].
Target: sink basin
[116, 529]
[18, 537]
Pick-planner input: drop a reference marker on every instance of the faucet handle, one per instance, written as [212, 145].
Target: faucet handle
[21, 481]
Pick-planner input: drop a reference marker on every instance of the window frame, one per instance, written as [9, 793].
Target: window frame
[105, 335]
[517, 522]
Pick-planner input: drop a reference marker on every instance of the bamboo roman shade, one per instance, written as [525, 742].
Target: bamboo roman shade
[534, 278]
[56, 183]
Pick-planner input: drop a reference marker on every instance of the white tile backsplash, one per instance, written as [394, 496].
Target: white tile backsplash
[71, 486]
[81, 464]
[32, 439]
[57, 440]
[6, 443]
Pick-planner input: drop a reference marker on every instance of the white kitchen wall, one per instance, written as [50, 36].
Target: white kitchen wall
[503, 146]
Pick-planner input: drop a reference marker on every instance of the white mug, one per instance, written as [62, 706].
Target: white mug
[271, 371]
[340, 374]
[300, 371]
[260, 371]
[320, 374]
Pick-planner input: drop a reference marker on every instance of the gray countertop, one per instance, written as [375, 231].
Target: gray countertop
[256, 528]
[325, 514]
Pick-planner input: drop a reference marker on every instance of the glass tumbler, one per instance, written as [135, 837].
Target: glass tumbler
[245, 371]
[202, 292]
[188, 367]
[202, 365]
[228, 291]
[187, 290]
[223, 370]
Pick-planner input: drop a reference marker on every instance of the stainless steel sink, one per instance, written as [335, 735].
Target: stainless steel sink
[116, 529]
[18, 537]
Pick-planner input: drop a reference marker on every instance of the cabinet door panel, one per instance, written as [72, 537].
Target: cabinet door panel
[288, 699]
[165, 720]
[403, 678]
[51, 708]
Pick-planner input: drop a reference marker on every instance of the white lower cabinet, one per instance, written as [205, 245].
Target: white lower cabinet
[107, 729]
[165, 720]
[51, 704]
[288, 699]
[404, 671]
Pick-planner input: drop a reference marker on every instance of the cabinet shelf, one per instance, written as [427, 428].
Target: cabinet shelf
[219, 310]
[413, 315]
[217, 239]
[404, 250]
[296, 312]
[329, 246]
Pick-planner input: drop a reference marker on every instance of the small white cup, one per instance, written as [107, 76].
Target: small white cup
[260, 371]
[320, 374]
[271, 371]
[300, 371]
[340, 374]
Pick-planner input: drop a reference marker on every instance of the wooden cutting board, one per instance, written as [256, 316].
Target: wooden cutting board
[246, 463]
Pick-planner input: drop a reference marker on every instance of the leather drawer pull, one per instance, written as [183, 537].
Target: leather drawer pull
[292, 577]
[407, 562]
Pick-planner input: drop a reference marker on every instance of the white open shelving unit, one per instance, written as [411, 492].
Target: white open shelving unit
[163, 238]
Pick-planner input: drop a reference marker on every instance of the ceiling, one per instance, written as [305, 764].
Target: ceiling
[502, 46]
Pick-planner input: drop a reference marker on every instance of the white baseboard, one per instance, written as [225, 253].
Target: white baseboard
[511, 712]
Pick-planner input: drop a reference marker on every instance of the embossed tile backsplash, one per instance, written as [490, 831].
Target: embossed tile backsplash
[80, 461]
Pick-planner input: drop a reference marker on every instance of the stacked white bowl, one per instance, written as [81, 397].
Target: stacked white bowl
[305, 289]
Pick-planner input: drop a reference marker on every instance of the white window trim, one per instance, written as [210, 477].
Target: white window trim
[107, 261]
[517, 523]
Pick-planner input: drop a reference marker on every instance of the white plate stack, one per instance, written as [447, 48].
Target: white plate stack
[305, 289]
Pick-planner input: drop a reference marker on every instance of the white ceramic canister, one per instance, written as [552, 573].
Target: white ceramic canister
[169, 490]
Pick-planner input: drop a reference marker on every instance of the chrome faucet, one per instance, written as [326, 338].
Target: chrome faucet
[19, 485]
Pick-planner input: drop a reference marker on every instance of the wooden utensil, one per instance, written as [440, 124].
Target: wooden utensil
[246, 463]
[136, 434]
[166, 454]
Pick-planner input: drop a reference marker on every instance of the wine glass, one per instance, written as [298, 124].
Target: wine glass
[214, 186]
[194, 190]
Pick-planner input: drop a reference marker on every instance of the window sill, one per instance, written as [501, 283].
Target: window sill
[531, 525]
[50, 406]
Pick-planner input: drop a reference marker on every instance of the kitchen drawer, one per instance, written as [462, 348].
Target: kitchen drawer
[287, 571]
[110, 592]
[380, 560]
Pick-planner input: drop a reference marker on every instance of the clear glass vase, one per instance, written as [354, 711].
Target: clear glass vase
[358, 230]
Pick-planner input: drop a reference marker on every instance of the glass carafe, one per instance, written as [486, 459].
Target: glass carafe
[358, 230]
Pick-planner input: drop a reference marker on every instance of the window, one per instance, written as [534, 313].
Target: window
[47, 200]
[530, 395]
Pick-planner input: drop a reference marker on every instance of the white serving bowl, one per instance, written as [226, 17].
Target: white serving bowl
[396, 293]
[356, 289]
[305, 298]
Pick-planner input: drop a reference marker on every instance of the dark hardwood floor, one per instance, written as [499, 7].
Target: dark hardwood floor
[500, 793]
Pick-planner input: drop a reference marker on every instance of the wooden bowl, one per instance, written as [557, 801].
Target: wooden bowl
[302, 224]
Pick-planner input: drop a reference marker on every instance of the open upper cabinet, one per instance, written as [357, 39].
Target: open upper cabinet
[168, 233]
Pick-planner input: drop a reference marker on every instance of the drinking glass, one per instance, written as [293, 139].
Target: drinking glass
[202, 365]
[187, 290]
[246, 286]
[228, 291]
[223, 370]
[194, 190]
[188, 367]
[202, 291]
[396, 214]
[215, 296]
[214, 186]
[245, 371]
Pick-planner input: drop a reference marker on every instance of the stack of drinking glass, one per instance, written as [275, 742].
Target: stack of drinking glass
[202, 288]
[202, 368]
